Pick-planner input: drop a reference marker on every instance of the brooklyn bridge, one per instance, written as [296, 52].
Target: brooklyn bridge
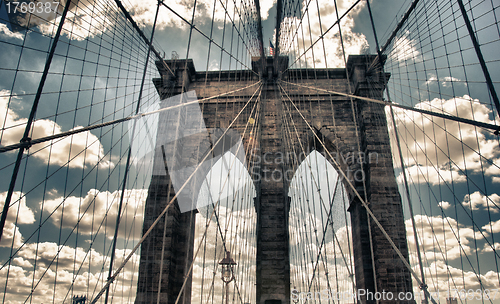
[241, 151]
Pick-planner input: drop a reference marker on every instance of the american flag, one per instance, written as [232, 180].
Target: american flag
[271, 48]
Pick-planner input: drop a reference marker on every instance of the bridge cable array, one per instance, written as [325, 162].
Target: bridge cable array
[82, 114]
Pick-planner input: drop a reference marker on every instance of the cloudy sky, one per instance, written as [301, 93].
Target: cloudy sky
[70, 187]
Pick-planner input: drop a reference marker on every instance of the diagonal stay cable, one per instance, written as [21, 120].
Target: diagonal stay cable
[306, 161]
[327, 210]
[207, 37]
[410, 206]
[326, 32]
[328, 220]
[78, 221]
[390, 104]
[448, 186]
[116, 121]
[363, 202]
[129, 155]
[234, 26]
[214, 210]
[141, 33]
[400, 25]
[29, 123]
[170, 203]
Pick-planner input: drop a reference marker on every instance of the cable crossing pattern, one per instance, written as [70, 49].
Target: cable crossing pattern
[162, 152]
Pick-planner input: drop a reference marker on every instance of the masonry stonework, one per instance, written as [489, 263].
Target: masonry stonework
[332, 119]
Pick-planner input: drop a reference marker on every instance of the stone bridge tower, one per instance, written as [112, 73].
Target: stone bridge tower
[169, 247]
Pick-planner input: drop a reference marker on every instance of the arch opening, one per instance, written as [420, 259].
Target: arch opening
[226, 221]
[321, 263]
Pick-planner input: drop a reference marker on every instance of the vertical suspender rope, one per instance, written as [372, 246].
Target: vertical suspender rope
[357, 129]
[129, 155]
[423, 285]
[29, 123]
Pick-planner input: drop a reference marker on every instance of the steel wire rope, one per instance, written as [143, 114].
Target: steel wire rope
[217, 217]
[311, 214]
[96, 126]
[206, 76]
[294, 237]
[300, 23]
[55, 208]
[60, 168]
[30, 119]
[457, 237]
[301, 177]
[427, 103]
[327, 76]
[60, 249]
[317, 186]
[465, 164]
[226, 15]
[443, 129]
[442, 178]
[325, 62]
[45, 188]
[303, 197]
[83, 107]
[398, 16]
[370, 213]
[126, 241]
[30, 237]
[481, 163]
[202, 110]
[380, 60]
[354, 111]
[333, 25]
[95, 184]
[452, 20]
[1, 137]
[307, 195]
[34, 29]
[459, 119]
[443, 252]
[129, 155]
[223, 237]
[166, 207]
[204, 35]
[28, 125]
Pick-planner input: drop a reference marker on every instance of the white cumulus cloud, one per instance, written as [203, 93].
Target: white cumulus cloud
[78, 151]
[98, 210]
[331, 55]
[445, 81]
[4, 30]
[62, 270]
[478, 201]
[440, 238]
[405, 49]
[18, 214]
[440, 150]
[88, 19]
